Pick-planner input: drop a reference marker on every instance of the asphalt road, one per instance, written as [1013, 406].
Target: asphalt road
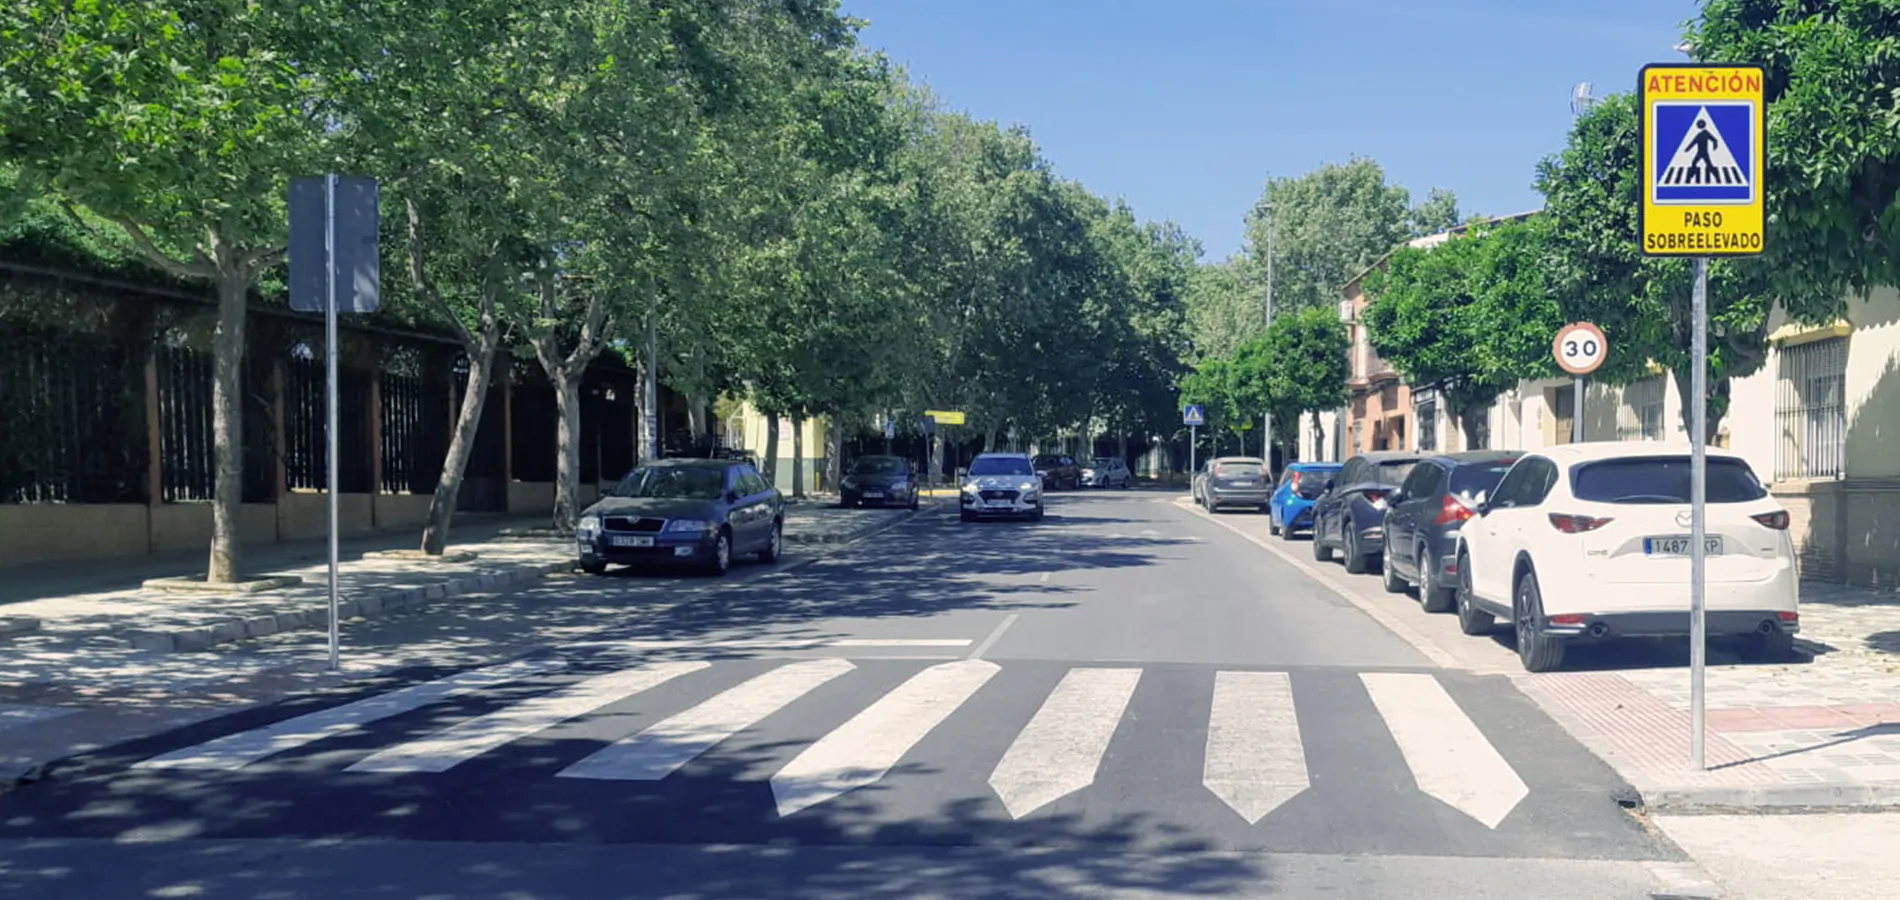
[1125, 700]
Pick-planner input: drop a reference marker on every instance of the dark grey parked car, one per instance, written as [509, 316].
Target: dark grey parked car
[695, 512]
[1423, 518]
[1350, 516]
[880, 481]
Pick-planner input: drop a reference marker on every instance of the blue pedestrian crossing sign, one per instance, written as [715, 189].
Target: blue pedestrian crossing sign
[1702, 160]
[1192, 415]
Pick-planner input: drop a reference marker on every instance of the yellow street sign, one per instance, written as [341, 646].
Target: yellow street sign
[1703, 159]
[945, 416]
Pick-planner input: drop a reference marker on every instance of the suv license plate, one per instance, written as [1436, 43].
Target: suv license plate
[1678, 545]
[627, 540]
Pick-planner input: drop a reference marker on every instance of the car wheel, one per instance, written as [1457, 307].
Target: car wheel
[1471, 619]
[775, 545]
[1538, 651]
[721, 561]
[1355, 559]
[1273, 528]
[913, 501]
[594, 568]
[967, 516]
[1037, 515]
[1389, 577]
[1321, 552]
[1432, 596]
[1763, 648]
[1286, 533]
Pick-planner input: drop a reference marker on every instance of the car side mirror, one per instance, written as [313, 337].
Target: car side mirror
[962, 473]
[1484, 509]
[1397, 498]
[1328, 486]
[732, 496]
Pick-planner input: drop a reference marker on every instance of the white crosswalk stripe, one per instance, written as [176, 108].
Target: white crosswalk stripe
[1057, 753]
[236, 751]
[1449, 757]
[466, 740]
[1254, 760]
[659, 751]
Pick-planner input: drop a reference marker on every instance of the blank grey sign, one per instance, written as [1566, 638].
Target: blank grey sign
[358, 251]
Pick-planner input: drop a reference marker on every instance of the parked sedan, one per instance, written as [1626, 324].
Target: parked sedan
[879, 481]
[1291, 509]
[1107, 472]
[1592, 542]
[1423, 518]
[1233, 481]
[1350, 516]
[1001, 486]
[698, 512]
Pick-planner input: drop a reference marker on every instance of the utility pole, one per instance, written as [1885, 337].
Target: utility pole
[1266, 426]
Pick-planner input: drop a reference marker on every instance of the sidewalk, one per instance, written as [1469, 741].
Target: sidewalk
[1822, 731]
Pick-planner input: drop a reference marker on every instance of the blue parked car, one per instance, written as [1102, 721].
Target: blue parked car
[1291, 508]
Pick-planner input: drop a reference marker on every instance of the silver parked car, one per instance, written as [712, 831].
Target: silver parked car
[1001, 486]
[1107, 472]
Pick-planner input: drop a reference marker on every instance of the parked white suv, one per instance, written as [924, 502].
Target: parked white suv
[1591, 541]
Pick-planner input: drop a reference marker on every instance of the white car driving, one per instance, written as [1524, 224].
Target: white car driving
[1001, 486]
[1591, 542]
[1107, 472]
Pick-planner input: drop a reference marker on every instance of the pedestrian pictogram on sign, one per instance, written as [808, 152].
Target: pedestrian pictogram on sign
[1702, 160]
[1193, 416]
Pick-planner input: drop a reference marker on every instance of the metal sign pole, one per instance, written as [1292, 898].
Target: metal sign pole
[329, 390]
[1576, 413]
[1194, 441]
[1698, 499]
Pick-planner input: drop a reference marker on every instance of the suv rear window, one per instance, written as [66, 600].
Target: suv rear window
[1479, 478]
[1395, 472]
[1237, 469]
[1663, 479]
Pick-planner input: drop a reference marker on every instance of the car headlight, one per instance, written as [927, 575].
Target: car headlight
[849, 482]
[689, 525]
[588, 525]
[970, 488]
[1030, 487]
[900, 485]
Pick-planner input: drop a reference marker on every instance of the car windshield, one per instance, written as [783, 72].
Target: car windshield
[1394, 472]
[1238, 468]
[673, 482]
[879, 465]
[1478, 480]
[1001, 465]
[1663, 480]
[1102, 462]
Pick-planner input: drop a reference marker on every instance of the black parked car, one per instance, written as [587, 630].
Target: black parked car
[1423, 517]
[880, 481]
[1350, 516]
[697, 512]
[1059, 471]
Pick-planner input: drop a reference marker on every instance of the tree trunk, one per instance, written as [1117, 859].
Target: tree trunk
[798, 456]
[696, 418]
[834, 449]
[1718, 404]
[567, 457]
[771, 449]
[1121, 445]
[650, 395]
[481, 368]
[227, 424]
[1468, 419]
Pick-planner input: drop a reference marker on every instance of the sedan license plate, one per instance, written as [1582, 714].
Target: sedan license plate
[1247, 483]
[1678, 545]
[630, 540]
[873, 495]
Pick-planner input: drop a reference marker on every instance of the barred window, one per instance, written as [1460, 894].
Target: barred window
[1428, 424]
[1640, 418]
[1811, 410]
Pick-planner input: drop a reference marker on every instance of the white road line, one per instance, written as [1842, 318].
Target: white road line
[1449, 757]
[1061, 748]
[1044, 579]
[901, 642]
[468, 739]
[995, 635]
[1255, 761]
[864, 749]
[768, 643]
[235, 751]
[658, 751]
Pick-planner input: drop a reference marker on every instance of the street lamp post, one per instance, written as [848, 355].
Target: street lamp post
[1266, 425]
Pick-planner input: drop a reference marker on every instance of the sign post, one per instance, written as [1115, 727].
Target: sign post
[1703, 165]
[333, 238]
[1579, 348]
[928, 425]
[1193, 416]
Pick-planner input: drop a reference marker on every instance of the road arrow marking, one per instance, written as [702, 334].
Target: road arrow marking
[1061, 748]
[468, 739]
[1255, 761]
[235, 751]
[863, 750]
[1449, 757]
[660, 750]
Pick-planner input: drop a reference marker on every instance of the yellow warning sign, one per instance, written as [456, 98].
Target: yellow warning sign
[945, 416]
[1703, 159]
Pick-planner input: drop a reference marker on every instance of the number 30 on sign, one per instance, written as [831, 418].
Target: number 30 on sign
[1579, 348]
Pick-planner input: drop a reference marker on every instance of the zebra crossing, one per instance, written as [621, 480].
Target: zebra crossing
[1253, 753]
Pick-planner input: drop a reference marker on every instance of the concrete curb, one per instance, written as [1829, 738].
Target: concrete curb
[15, 625]
[196, 584]
[365, 605]
[1779, 798]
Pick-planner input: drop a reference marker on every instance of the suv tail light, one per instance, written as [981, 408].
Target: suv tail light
[1778, 520]
[1376, 497]
[1452, 511]
[1576, 524]
[1294, 485]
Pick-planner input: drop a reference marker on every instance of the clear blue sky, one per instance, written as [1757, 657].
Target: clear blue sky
[1184, 108]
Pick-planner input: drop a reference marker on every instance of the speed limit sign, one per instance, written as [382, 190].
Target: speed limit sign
[1579, 348]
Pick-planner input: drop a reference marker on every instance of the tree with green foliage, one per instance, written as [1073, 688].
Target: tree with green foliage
[179, 124]
[1642, 304]
[1309, 350]
[1437, 212]
[1327, 226]
[1469, 317]
[1223, 305]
